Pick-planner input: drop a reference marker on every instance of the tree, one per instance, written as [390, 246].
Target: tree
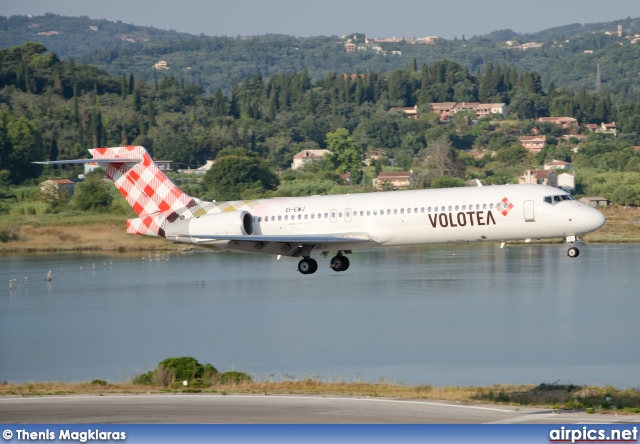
[346, 155]
[93, 195]
[237, 171]
[20, 145]
[442, 159]
[448, 182]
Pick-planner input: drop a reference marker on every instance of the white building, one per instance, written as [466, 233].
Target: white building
[306, 156]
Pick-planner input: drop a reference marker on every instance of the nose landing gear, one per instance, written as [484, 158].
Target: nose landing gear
[573, 251]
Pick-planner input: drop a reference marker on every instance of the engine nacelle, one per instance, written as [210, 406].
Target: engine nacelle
[231, 223]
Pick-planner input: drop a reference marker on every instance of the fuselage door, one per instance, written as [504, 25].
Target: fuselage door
[528, 211]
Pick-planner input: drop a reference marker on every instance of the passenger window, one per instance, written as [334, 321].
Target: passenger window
[449, 207]
[361, 213]
[441, 208]
[347, 214]
[477, 206]
[333, 215]
[299, 216]
[415, 210]
[401, 210]
[484, 206]
[375, 212]
[313, 216]
[286, 217]
[326, 215]
[464, 207]
[279, 218]
[422, 210]
[389, 211]
[340, 214]
[490, 206]
[355, 213]
[429, 210]
[395, 211]
[368, 212]
[408, 210]
[260, 219]
[457, 207]
[273, 218]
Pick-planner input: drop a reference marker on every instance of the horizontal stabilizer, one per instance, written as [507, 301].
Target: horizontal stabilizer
[83, 161]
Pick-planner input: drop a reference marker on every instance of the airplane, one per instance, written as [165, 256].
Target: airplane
[317, 225]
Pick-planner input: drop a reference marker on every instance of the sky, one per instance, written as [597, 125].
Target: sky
[302, 18]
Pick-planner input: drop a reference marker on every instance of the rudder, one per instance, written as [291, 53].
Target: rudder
[148, 190]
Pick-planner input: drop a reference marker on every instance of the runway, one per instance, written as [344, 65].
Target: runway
[270, 409]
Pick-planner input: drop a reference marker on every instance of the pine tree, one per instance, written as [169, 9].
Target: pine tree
[131, 83]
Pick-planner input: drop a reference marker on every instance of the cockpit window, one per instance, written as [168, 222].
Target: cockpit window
[557, 199]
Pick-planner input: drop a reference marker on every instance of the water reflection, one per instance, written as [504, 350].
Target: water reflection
[440, 315]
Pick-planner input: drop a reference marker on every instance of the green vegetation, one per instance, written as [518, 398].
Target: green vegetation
[590, 399]
[173, 371]
[56, 109]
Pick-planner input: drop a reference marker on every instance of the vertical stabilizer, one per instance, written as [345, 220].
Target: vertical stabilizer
[147, 189]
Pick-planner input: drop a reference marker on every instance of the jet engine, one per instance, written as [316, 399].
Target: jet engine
[231, 223]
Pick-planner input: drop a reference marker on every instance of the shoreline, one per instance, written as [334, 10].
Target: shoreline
[33, 236]
[590, 399]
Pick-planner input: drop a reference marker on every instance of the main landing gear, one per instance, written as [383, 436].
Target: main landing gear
[573, 251]
[308, 265]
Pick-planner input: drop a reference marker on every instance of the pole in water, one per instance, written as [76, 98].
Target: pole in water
[26, 281]
[49, 277]
[10, 284]
[94, 265]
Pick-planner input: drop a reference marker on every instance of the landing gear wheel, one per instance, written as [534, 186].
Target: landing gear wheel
[573, 252]
[307, 266]
[339, 263]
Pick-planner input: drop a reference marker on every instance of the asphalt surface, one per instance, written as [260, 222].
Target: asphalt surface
[270, 409]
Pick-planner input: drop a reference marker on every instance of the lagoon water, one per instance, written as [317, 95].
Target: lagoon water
[454, 315]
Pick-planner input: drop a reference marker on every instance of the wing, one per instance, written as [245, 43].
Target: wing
[286, 245]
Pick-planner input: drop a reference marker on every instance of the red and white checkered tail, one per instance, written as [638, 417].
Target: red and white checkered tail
[149, 192]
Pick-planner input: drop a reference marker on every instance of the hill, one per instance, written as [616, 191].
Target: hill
[77, 36]
[567, 55]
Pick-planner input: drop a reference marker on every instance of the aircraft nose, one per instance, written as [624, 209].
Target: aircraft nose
[590, 219]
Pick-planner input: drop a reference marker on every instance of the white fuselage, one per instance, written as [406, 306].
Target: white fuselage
[489, 213]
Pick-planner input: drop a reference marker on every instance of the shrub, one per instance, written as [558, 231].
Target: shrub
[144, 379]
[234, 378]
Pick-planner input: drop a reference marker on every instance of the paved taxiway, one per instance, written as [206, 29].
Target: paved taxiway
[271, 409]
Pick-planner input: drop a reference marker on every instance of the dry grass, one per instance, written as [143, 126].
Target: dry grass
[102, 237]
[595, 399]
[623, 225]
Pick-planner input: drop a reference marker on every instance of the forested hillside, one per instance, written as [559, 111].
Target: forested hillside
[77, 36]
[53, 109]
[568, 56]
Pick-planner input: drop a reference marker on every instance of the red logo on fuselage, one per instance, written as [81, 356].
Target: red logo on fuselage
[504, 206]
